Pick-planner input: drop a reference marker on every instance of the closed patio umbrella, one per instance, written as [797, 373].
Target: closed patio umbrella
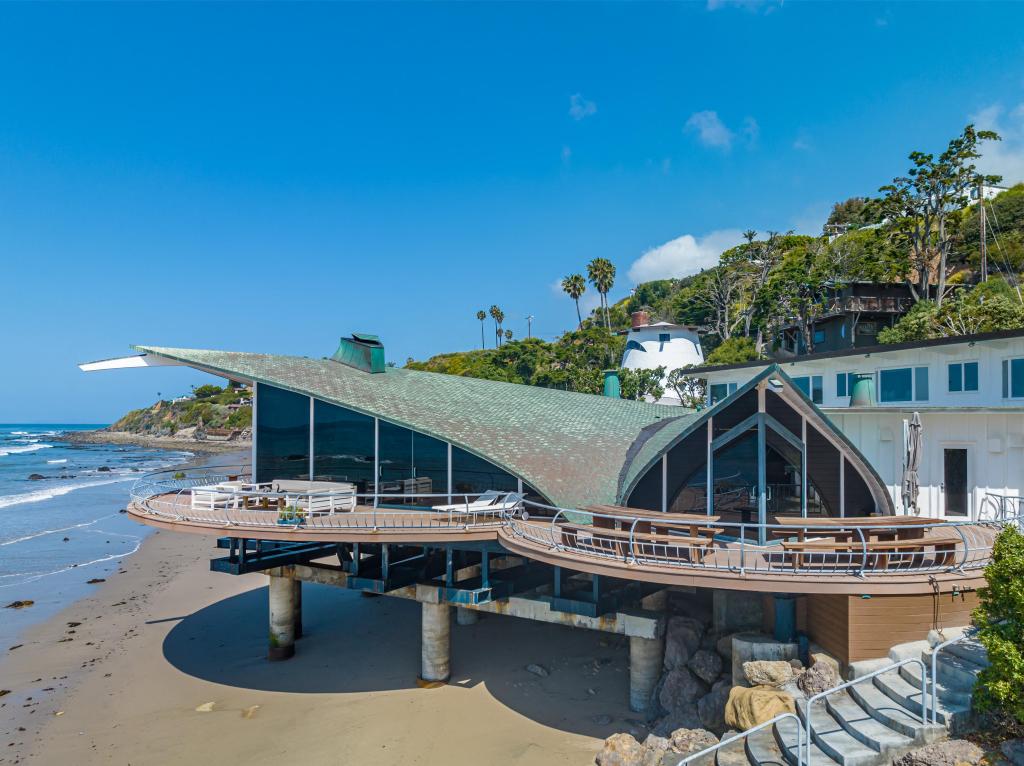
[911, 464]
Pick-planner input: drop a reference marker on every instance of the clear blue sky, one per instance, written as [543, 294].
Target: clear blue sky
[269, 177]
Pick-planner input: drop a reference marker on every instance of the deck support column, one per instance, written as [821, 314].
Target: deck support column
[464, 616]
[281, 593]
[646, 656]
[436, 642]
[297, 586]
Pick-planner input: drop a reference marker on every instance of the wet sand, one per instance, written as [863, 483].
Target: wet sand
[168, 666]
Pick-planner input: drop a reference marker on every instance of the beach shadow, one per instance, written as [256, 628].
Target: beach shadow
[353, 644]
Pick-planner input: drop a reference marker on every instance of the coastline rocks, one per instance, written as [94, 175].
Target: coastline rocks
[706, 665]
[750, 706]
[768, 672]
[36, 477]
[620, 750]
[682, 638]
[820, 677]
[711, 708]
[681, 719]
[680, 689]
[953, 752]
[103, 469]
[686, 741]
[19, 604]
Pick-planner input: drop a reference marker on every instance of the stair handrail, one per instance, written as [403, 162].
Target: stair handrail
[860, 679]
[744, 734]
[971, 632]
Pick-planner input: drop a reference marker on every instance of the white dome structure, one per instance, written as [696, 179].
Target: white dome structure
[656, 344]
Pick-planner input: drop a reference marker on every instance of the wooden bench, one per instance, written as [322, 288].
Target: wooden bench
[694, 523]
[945, 549]
[889, 527]
[626, 545]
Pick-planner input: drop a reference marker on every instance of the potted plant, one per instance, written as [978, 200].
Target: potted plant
[291, 516]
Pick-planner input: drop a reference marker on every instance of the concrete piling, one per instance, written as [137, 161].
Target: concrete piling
[282, 592]
[297, 585]
[436, 642]
[464, 616]
[646, 656]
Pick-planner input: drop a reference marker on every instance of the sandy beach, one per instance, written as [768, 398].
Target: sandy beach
[165, 664]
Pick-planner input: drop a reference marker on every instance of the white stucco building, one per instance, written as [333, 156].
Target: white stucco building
[661, 344]
[968, 390]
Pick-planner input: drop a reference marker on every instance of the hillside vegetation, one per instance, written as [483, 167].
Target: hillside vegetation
[208, 408]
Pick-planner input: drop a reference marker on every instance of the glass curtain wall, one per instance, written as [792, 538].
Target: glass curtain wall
[412, 464]
[342, 445]
[282, 434]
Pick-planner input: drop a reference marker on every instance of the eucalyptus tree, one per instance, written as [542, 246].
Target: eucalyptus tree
[574, 286]
[920, 206]
[601, 273]
[482, 315]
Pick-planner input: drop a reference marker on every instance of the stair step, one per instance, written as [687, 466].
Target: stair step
[732, 755]
[955, 695]
[786, 739]
[829, 735]
[905, 651]
[971, 651]
[763, 750]
[864, 727]
[954, 672]
[908, 695]
[893, 715]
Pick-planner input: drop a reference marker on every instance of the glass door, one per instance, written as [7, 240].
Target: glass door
[954, 481]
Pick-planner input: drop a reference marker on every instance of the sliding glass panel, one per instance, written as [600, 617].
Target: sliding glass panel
[896, 385]
[921, 384]
[472, 474]
[412, 465]
[970, 376]
[342, 445]
[282, 434]
[1016, 377]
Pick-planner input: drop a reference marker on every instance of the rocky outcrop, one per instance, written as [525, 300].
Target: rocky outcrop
[820, 677]
[706, 665]
[774, 673]
[620, 750]
[680, 689]
[711, 707]
[625, 750]
[682, 639]
[750, 706]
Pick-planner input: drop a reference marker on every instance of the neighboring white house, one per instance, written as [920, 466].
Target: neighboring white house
[659, 344]
[968, 390]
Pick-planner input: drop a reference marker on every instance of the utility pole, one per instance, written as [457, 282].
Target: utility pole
[984, 244]
[529, 326]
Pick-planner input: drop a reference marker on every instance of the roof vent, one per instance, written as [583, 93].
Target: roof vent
[361, 351]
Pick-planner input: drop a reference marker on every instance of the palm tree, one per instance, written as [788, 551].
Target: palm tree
[481, 315]
[574, 286]
[508, 335]
[601, 273]
[498, 316]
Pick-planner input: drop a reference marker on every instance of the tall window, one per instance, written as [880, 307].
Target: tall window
[342, 445]
[282, 434]
[1013, 378]
[844, 384]
[963, 376]
[812, 386]
[903, 384]
[411, 463]
[473, 474]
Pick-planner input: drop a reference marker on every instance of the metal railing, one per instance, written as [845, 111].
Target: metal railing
[790, 549]
[706, 752]
[1003, 509]
[967, 635]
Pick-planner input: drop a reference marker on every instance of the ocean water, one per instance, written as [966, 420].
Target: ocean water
[66, 528]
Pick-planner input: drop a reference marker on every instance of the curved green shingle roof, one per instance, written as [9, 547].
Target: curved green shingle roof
[572, 448]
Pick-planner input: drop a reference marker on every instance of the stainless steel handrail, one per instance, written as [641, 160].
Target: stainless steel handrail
[753, 730]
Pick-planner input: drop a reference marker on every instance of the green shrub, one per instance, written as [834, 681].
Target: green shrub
[733, 351]
[204, 392]
[240, 418]
[1000, 687]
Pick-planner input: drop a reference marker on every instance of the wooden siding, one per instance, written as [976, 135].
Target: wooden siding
[853, 628]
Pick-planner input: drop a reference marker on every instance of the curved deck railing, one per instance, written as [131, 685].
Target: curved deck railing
[819, 549]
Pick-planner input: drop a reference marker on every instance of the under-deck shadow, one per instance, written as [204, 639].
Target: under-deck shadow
[353, 644]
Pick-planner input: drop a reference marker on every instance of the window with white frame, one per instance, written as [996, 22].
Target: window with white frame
[1013, 378]
[903, 384]
[812, 386]
[844, 384]
[718, 391]
[963, 377]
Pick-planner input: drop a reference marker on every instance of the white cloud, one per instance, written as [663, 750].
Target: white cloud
[580, 108]
[1006, 157]
[710, 130]
[683, 255]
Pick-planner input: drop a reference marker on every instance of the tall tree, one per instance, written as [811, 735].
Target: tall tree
[508, 335]
[601, 273]
[482, 315]
[498, 316]
[755, 262]
[574, 286]
[920, 206]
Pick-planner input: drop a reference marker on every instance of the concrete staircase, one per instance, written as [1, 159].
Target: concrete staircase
[871, 723]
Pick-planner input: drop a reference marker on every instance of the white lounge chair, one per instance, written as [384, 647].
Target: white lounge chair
[489, 501]
[317, 496]
[213, 497]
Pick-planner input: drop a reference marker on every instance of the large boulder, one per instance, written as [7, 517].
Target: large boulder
[682, 639]
[820, 677]
[687, 741]
[724, 645]
[680, 689]
[686, 718]
[750, 706]
[773, 673]
[711, 708]
[706, 665]
[621, 750]
[953, 752]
